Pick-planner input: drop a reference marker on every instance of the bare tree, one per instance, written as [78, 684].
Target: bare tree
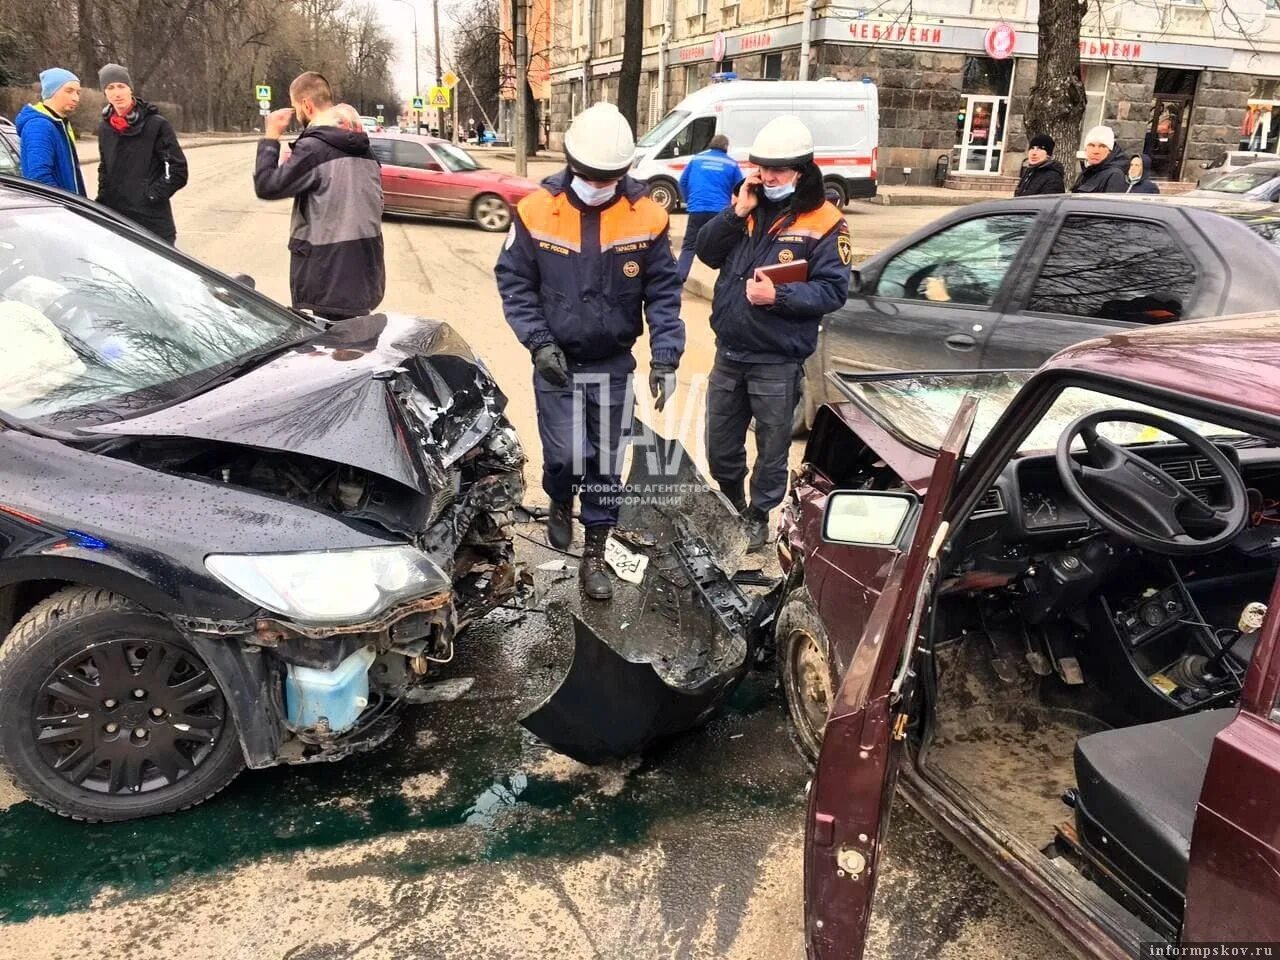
[1057, 101]
[632, 50]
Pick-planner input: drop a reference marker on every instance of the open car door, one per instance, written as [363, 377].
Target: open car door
[857, 769]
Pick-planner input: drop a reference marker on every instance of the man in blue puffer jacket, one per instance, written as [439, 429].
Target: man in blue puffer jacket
[48, 153]
[707, 186]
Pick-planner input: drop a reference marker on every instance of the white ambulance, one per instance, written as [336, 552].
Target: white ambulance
[844, 117]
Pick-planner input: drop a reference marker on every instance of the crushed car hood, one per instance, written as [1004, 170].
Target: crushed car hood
[398, 396]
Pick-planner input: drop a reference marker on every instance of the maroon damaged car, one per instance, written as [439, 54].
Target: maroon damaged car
[1038, 603]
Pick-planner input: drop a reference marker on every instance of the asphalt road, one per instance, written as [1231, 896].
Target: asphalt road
[463, 836]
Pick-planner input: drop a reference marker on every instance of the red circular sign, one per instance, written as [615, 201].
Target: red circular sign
[1000, 41]
[717, 47]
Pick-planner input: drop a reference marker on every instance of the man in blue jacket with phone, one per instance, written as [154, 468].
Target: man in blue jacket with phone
[707, 186]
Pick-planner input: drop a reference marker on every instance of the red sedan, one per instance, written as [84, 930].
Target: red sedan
[433, 177]
[1039, 604]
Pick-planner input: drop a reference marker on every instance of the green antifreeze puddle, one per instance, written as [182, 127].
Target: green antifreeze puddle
[52, 866]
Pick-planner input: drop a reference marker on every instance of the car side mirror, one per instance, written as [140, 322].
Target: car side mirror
[856, 282]
[873, 518]
[245, 281]
[432, 166]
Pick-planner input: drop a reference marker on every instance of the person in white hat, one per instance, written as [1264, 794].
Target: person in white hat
[765, 331]
[587, 260]
[1106, 169]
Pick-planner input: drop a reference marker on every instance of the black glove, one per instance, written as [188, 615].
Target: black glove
[662, 384]
[550, 362]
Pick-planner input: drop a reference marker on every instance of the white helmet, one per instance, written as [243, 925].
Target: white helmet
[783, 142]
[599, 143]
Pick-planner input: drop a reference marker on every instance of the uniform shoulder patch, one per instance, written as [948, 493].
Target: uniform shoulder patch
[844, 244]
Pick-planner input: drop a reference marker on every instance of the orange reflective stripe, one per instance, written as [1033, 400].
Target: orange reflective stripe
[624, 223]
[552, 219]
[817, 223]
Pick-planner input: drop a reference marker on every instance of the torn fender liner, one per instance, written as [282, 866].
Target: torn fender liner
[663, 655]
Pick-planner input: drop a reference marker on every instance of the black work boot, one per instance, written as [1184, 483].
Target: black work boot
[560, 524]
[757, 525]
[736, 495]
[593, 574]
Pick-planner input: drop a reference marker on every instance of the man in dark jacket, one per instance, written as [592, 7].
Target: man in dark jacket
[587, 253]
[1138, 180]
[764, 333]
[1105, 170]
[1041, 173]
[336, 269]
[140, 164]
[706, 186]
[48, 151]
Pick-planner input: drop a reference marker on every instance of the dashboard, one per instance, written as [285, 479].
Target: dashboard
[1029, 501]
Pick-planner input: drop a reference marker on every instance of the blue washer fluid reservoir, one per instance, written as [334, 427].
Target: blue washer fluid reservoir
[337, 696]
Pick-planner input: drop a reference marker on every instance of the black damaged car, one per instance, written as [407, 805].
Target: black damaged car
[229, 535]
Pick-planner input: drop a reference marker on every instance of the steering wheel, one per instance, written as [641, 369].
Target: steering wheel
[1136, 500]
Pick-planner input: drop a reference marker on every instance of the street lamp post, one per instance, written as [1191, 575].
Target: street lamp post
[417, 90]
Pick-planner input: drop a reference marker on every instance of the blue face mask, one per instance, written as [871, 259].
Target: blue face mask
[780, 192]
[593, 196]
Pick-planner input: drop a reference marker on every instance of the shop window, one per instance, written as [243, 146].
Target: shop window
[1145, 278]
[965, 263]
[1094, 76]
[773, 66]
[982, 75]
[1176, 82]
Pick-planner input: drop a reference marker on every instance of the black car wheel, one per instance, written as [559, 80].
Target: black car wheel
[835, 192]
[664, 193]
[108, 713]
[805, 671]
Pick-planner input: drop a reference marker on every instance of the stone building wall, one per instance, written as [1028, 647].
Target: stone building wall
[1128, 106]
[919, 98]
[1017, 135]
[1216, 118]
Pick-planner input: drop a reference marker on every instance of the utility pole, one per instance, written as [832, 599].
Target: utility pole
[417, 90]
[522, 78]
[435, 13]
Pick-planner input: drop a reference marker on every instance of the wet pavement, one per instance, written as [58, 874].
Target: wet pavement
[463, 836]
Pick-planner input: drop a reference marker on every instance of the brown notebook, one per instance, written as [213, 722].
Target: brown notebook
[797, 271]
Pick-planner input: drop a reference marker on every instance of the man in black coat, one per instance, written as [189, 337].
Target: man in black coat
[1041, 173]
[1106, 169]
[140, 164]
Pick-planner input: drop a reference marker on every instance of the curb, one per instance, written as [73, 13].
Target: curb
[951, 199]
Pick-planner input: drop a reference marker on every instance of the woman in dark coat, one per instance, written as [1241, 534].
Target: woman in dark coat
[140, 163]
[1139, 182]
[1041, 173]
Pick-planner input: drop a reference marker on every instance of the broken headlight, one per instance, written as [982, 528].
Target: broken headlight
[325, 587]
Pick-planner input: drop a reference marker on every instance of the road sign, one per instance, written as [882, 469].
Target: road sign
[262, 92]
[718, 45]
[450, 79]
[381, 106]
[381, 119]
[439, 98]
[264, 104]
[1000, 41]
[264, 111]
[417, 103]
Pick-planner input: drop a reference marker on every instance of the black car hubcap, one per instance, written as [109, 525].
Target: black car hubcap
[128, 716]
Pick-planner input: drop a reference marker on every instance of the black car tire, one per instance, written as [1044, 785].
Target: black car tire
[804, 666]
[664, 193]
[491, 213]
[835, 192]
[54, 633]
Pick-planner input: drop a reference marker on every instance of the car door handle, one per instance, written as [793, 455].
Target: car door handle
[402, 176]
[961, 341]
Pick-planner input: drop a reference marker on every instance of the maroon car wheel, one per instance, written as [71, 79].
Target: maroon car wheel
[491, 213]
[805, 671]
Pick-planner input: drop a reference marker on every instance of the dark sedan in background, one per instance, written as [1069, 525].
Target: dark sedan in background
[1009, 283]
[433, 177]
